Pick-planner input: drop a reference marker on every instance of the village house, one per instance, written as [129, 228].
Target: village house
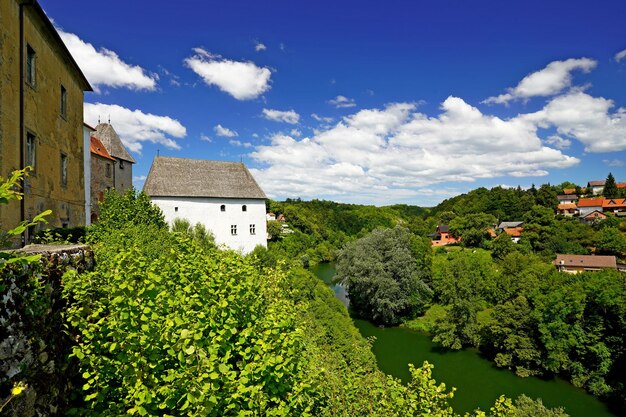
[41, 118]
[223, 196]
[596, 187]
[593, 217]
[442, 236]
[567, 209]
[505, 225]
[515, 233]
[122, 169]
[574, 264]
[569, 191]
[567, 198]
[587, 205]
[615, 206]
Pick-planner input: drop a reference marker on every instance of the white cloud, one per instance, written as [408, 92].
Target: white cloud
[240, 143]
[546, 82]
[135, 127]
[242, 80]
[224, 131]
[205, 138]
[322, 119]
[104, 67]
[558, 142]
[342, 102]
[585, 118]
[295, 133]
[289, 116]
[613, 162]
[258, 46]
[395, 152]
[620, 55]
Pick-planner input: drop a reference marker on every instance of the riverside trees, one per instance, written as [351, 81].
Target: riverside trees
[385, 274]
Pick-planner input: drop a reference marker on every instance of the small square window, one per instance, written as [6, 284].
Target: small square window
[63, 170]
[253, 229]
[175, 209]
[222, 207]
[233, 229]
[244, 208]
[63, 102]
[30, 65]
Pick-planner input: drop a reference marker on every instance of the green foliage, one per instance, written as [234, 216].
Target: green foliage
[197, 232]
[126, 210]
[473, 229]
[384, 275]
[527, 407]
[274, 229]
[611, 241]
[61, 235]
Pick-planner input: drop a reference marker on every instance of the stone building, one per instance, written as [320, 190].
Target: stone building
[123, 167]
[101, 168]
[41, 117]
[223, 196]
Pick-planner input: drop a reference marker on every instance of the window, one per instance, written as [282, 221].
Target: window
[121, 164]
[108, 170]
[252, 229]
[244, 208]
[233, 229]
[30, 65]
[31, 145]
[63, 102]
[175, 209]
[63, 170]
[222, 207]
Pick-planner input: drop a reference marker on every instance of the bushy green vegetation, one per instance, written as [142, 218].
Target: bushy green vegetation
[165, 326]
[532, 319]
[385, 273]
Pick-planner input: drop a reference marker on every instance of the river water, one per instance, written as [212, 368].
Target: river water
[478, 381]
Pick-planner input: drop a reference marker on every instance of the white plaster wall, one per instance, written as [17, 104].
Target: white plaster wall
[87, 172]
[583, 211]
[207, 211]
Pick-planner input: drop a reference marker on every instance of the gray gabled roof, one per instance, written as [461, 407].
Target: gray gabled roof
[181, 177]
[109, 138]
[506, 225]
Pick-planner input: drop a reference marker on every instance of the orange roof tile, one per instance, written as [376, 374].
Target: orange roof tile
[614, 203]
[569, 191]
[590, 202]
[96, 147]
[567, 206]
[514, 231]
[621, 185]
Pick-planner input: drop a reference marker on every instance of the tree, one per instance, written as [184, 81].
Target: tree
[611, 241]
[274, 229]
[473, 229]
[610, 187]
[382, 275]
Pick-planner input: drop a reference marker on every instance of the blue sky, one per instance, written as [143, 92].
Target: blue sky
[357, 101]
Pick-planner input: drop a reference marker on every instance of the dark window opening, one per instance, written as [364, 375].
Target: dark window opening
[253, 229]
[244, 208]
[63, 102]
[30, 65]
[31, 144]
[222, 207]
[233, 229]
[63, 170]
[176, 209]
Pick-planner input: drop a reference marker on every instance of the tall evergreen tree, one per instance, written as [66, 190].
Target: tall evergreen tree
[610, 187]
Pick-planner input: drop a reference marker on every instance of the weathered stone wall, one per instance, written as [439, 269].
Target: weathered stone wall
[34, 345]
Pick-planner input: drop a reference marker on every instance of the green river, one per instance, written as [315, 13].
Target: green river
[478, 381]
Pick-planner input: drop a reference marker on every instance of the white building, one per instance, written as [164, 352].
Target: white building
[223, 196]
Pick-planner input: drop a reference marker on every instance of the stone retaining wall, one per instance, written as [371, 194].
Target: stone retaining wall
[34, 344]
